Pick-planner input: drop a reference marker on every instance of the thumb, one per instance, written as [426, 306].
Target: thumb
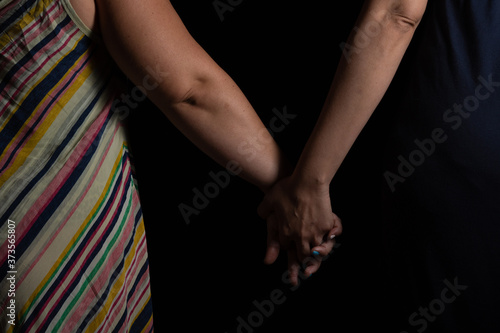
[324, 248]
[329, 240]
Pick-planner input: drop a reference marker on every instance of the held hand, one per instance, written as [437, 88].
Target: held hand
[311, 264]
[302, 214]
[299, 218]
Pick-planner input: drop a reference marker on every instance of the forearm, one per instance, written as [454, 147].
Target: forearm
[361, 80]
[218, 118]
[153, 48]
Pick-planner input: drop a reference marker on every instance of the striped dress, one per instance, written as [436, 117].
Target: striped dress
[73, 254]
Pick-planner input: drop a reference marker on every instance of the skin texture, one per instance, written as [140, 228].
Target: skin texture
[152, 47]
[300, 204]
[86, 10]
[199, 98]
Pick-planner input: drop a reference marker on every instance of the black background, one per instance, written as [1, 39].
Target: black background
[207, 274]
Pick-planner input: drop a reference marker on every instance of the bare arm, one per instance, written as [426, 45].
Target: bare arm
[362, 78]
[152, 46]
[301, 203]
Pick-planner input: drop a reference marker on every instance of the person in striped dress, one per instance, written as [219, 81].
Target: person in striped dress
[73, 252]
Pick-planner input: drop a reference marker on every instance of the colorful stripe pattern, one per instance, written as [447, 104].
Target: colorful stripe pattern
[66, 180]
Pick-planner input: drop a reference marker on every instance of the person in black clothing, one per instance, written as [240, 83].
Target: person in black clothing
[442, 180]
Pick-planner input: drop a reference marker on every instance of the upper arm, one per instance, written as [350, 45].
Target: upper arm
[151, 45]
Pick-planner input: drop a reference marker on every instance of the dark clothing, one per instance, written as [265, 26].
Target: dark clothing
[442, 207]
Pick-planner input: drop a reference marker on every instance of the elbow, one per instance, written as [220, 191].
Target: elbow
[202, 89]
[187, 98]
[401, 15]
[405, 23]
[405, 15]
[185, 92]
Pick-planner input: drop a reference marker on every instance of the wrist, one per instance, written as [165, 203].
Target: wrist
[311, 181]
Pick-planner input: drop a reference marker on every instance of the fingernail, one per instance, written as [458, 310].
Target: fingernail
[332, 236]
[316, 253]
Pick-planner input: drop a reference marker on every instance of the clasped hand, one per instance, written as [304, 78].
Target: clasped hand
[299, 220]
